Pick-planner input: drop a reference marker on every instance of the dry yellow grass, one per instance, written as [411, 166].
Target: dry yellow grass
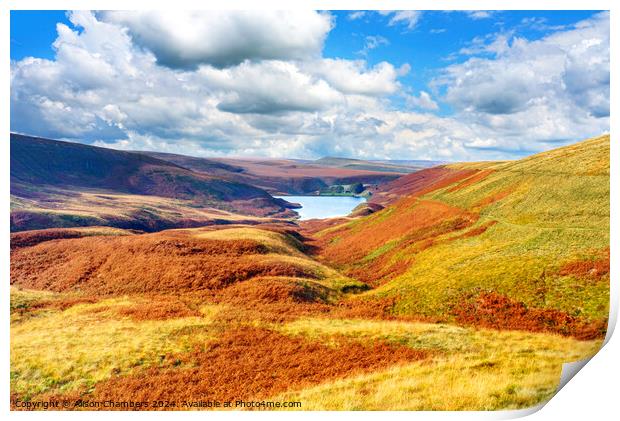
[62, 351]
[471, 370]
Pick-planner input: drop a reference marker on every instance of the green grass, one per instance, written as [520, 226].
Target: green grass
[557, 211]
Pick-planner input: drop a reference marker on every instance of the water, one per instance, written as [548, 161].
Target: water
[324, 206]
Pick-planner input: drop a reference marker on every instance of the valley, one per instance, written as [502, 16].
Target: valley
[459, 286]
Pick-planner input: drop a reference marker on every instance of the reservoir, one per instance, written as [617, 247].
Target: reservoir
[324, 206]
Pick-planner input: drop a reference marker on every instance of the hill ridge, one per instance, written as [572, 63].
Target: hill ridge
[48, 177]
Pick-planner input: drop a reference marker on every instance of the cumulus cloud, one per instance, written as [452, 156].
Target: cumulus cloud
[423, 100]
[105, 86]
[102, 87]
[556, 87]
[270, 87]
[352, 77]
[186, 39]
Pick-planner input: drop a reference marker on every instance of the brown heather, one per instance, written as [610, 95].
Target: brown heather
[253, 363]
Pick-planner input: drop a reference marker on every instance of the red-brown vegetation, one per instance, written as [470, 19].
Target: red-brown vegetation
[311, 226]
[365, 209]
[493, 198]
[376, 308]
[272, 299]
[479, 176]
[413, 223]
[387, 266]
[32, 238]
[419, 183]
[252, 363]
[595, 269]
[171, 261]
[474, 232]
[410, 218]
[496, 311]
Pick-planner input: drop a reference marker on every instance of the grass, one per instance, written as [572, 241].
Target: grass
[534, 232]
[274, 241]
[22, 302]
[545, 210]
[472, 369]
[70, 350]
[515, 261]
[285, 249]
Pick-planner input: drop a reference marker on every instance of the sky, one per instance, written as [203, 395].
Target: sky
[438, 85]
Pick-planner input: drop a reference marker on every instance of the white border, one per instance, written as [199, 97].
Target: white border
[592, 394]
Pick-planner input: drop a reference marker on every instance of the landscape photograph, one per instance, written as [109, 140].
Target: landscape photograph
[306, 210]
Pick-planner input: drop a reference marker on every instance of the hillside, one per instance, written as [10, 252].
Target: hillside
[381, 166]
[521, 244]
[124, 189]
[196, 260]
[287, 176]
[466, 288]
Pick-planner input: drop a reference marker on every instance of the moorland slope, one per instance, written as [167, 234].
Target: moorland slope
[63, 184]
[519, 244]
[465, 287]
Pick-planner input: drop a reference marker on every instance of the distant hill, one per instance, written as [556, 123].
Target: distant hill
[47, 174]
[205, 165]
[421, 163]
[287, 176]
[402, 167]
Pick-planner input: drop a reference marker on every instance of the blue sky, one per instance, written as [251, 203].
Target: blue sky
[402, 85]
[431, 44]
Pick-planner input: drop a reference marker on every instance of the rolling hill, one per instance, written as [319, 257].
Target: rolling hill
[462, 287]
[56, 183]
[380, 166]
[288, 176]
[523, 244]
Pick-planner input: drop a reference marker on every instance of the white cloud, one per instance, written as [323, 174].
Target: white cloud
[371, 42]
[409, 18]
[269, 87]
[356, 15]
[352, 77]
[423, 100]
[104, 87]
[404, 69]
[555, 88]
[186, 39]
[491, 44]
[479, 14]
